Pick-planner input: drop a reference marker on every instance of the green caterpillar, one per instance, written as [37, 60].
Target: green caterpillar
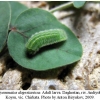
[44, 38]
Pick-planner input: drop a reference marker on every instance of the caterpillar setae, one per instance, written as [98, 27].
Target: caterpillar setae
[44, 38]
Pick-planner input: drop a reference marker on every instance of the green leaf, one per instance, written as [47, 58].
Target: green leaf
[78, 4]
[16, 9]
[4, 23]
[54, 56]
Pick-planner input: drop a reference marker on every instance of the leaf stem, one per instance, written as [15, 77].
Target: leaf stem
[63, 6]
